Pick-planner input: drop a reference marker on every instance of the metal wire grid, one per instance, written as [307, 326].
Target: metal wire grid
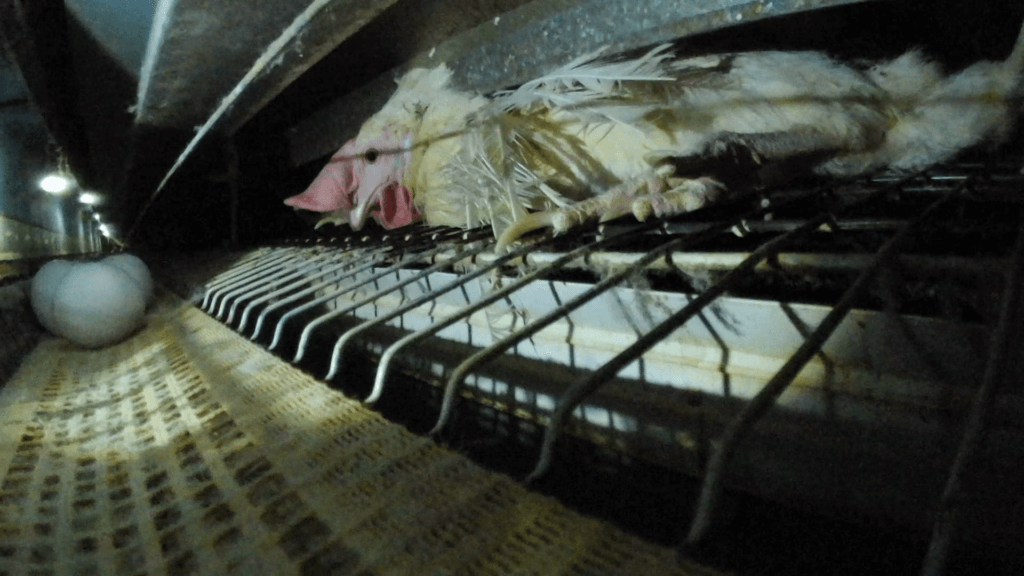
[305, 278]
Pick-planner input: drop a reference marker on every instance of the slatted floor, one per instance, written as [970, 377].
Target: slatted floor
[188, 450]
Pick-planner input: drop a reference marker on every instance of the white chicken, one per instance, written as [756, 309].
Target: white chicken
[597, 139]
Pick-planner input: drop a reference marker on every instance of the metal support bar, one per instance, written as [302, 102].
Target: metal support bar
[765, 399]
[952, 495]
[788, 261]
[314, 30]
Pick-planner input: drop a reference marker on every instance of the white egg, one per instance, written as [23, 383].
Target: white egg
[136, 268]
[44, 290]
[97, 304]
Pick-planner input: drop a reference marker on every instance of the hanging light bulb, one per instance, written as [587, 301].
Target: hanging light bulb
[89, 198]
[54, 183]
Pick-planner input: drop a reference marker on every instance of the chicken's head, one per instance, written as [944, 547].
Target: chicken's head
[364, 178]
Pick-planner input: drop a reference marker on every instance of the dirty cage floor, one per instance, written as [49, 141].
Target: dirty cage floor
[188, 450]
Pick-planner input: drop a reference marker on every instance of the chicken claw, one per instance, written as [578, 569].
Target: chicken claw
[685, 196]
[657, 194]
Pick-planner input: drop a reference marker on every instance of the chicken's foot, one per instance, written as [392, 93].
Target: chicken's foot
[659, 195]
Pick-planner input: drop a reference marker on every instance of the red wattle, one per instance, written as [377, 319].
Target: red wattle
[396, 207]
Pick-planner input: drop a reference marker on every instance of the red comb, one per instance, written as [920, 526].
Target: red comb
[333, 187]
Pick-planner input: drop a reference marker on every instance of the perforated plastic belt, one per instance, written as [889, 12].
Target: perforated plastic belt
[187, 449]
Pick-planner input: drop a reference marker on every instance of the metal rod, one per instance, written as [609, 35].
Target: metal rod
[320, 320]
[374, 258]
[221, 281]
[413, 241]
[580, 390]
[268, 285]
[324, 269]
[217, 308]
[257, 283]
[274, 50]
[247, 260]
[385, 363]
[634, 261]
[796, 261]
[952, 496]
[765, 399]
[342, 341]
[325, 272]
[498, 348]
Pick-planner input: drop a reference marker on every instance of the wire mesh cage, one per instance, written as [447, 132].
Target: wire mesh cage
[812, 375]
[823, 347]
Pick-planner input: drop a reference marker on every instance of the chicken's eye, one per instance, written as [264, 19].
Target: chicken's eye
[371, 155]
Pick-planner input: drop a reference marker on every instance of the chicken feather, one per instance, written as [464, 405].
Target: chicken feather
[595, 139]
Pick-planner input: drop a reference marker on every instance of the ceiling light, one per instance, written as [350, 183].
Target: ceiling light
[54, 184]
[90, 198]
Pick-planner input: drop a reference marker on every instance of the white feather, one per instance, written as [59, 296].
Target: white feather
[595, 124]
[585, 80]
